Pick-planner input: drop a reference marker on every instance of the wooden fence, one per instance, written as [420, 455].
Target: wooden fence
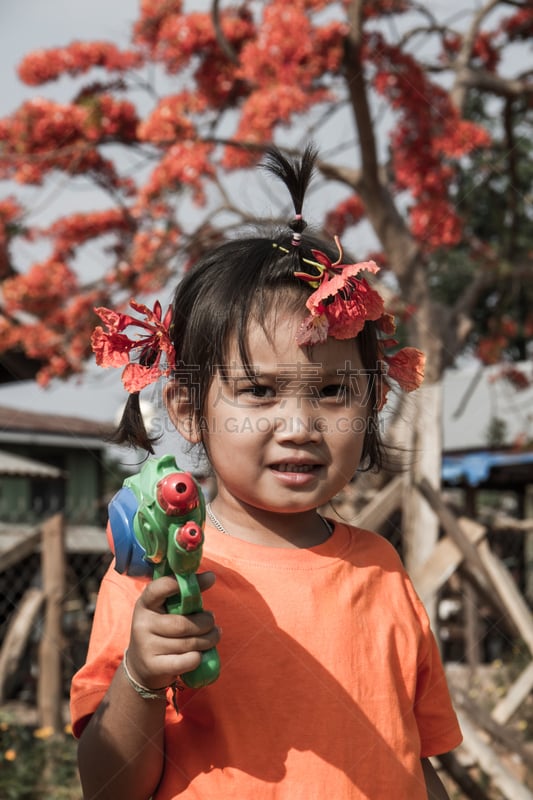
[40, 603]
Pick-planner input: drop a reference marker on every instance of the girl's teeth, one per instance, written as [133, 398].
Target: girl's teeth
[294, 467]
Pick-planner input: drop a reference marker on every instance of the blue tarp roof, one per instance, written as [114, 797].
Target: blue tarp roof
[474, 468]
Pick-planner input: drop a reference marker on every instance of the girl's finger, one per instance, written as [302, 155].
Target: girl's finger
[158, 591]
[177, 626]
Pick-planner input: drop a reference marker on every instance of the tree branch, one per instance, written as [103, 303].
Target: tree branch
[512, 169]
[460, 323]
[382, 213]
[356, 83]
[470, 78]
[225, 46]
[458, 91]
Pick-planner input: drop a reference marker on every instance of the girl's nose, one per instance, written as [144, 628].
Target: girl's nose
[297, 421]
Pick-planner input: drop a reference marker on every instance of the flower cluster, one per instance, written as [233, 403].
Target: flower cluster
[264, 109]
[284, 72]
[170, 120]
[108, 118]
[348, 212]
[43, 136]
[519, 25]
[71, 231]
[45, 285]
[429, 135]
[41, 66]
[10, 213]
[518, 379]
[184, 165]
[501, 331]
[381, 8]
[113, 348]
[174, 38]
[152, 14]
[58, 335]
[151, 259]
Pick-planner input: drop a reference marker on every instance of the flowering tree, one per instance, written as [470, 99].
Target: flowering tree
[238, 76]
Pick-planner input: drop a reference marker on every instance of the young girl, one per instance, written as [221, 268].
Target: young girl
[331, 682]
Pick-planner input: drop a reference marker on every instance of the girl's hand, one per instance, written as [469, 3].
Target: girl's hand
[163, 646]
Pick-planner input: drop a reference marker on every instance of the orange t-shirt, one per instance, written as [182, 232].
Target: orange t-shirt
[331, 682]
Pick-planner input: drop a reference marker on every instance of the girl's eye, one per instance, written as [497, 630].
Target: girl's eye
[337, 391]
[257, 391]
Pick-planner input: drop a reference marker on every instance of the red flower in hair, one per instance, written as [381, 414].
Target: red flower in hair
[342, 302]
[406, 367]
[114, 348]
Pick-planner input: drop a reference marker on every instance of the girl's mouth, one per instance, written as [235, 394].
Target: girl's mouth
[294, 467]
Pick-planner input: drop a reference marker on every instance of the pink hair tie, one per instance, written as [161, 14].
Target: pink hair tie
[296, 235]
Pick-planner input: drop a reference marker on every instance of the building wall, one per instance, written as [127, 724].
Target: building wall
[25, 499]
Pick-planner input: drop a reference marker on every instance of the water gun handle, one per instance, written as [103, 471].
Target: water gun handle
[156, 528]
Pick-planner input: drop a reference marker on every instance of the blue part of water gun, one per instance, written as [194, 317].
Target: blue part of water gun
[129, 554]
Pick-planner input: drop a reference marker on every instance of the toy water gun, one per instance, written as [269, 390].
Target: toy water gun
[156, 524]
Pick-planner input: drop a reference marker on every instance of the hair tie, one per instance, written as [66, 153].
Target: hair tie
[297, 222]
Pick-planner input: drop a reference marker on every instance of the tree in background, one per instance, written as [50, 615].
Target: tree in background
[425, 129]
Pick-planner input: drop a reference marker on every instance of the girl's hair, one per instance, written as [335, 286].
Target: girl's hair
[244, 279]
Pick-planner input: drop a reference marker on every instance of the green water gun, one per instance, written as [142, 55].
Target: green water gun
[156, 523]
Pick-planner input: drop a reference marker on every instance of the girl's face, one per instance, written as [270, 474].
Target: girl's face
[288, 437]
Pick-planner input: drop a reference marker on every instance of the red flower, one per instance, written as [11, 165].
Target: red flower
[342, 302]
[386, 323]
[114, 348]
[406, 367]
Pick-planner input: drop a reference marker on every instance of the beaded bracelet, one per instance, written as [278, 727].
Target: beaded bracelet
[143, 691]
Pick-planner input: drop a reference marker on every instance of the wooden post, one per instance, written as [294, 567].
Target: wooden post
[488, 760]
[420, 526]
[16, 638]
[382, 505]
[472, 627]
[454, 531]
[50, 687]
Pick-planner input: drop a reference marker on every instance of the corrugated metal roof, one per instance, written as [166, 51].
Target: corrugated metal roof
[14, 419]
[11, 464]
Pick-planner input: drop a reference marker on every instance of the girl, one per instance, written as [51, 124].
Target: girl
[331, 682]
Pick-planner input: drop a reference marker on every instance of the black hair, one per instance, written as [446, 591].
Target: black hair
[242, 277]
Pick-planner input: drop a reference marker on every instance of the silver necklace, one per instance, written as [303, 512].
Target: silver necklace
[219, 526]
[216, 522]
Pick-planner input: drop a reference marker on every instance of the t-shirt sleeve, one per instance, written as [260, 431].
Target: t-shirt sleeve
[110, 635]
[437, 722]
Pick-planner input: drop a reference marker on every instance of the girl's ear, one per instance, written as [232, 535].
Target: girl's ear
[180, 408]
